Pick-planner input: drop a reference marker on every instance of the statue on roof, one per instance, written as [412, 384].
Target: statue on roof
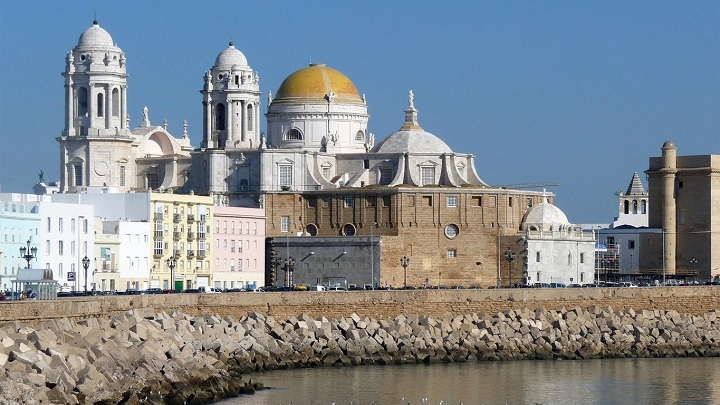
[411, 98]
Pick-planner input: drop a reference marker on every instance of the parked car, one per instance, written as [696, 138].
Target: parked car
[558, 285]
[191, 291]
[209, 290]
[153, 291]
[627, 284]
[337, 288]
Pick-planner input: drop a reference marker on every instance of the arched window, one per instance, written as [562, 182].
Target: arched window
[82, 100]
[348, 230]
[115, 103]
[626, 208]
[220, 117]
[250, 117]
[360, 136]
[243, 185]
[643, 207]
[78, 172]
[293, 134]
[635, 207]
[100, 105]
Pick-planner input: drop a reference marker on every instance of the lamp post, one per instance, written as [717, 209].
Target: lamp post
[171, 262]
[290, 269]
[404, 262]
[509, 256]
[372, 257]
[86, 264]
[693, 261]
[28, 253]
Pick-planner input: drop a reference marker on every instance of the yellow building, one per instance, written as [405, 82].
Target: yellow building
[180, 245]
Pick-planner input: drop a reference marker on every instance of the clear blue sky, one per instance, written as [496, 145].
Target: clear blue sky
[578, 93]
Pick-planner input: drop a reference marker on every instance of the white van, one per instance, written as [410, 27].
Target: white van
[209, 290]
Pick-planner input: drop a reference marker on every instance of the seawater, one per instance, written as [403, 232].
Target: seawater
[559, 382]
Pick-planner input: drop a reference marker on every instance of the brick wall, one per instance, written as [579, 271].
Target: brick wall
[377, 304]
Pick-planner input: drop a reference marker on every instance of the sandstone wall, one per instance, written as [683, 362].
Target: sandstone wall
[375, 304]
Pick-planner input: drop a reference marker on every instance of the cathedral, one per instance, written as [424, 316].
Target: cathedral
[317, 171]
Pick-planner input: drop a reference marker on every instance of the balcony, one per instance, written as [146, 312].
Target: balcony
[191, 236]
[176, 218]
[191, 218]
[190, 254]
[176, 235]
[158, 255]
[201, 254]
[158, 216]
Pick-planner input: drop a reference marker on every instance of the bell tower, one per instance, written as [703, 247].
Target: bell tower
[96, 135]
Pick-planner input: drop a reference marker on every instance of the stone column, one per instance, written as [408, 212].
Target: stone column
[229, 123]
[69, 107]
[123, 106]
[243, 125]
[669, 170]
[209, 123]
[108, 106]
[91, 107]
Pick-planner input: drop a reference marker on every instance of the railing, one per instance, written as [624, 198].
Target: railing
[176, 217]
[176, 235]
[158, 216]
[191, 218]
[190, 253]
[191, 235]
[201, 254]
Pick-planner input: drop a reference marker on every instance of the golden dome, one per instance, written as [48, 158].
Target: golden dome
[316, 83]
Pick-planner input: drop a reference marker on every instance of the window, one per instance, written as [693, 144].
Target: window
[634, 207]
[72, 225]
[451, 253]
[153, 182]
[285, 224]
[366, 164]
[293, 134]
[386, 200]
[47, 247]
[115, 102]
[285, 175]
[371, 201]
[451, 201]
[220, 117]
[385, 176]
[311, 229]
[77, 168]
[326, 172]
[582, 260]
[643, 207]
[60, 225]
[311, 202]
[529, 202]
[60, 248]
[359, 136]
[348, 230]
[232, 246]
[100, 105]
[451, 231]
[510, 201]
[158, 248]
[243, 186]
[631, 244]
[349, 201]
[537, 257]
[427, 176]
[477, 201]
[49, 224]
[427, 201]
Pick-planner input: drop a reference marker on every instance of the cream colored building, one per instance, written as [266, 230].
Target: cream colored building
[181, 231]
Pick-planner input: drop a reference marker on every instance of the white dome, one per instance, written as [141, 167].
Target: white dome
[544, 216]
[411, 138]
[95, 37]
[230, 57]
[412, 141]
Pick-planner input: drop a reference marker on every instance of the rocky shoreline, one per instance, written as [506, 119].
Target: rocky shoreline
[147, 357]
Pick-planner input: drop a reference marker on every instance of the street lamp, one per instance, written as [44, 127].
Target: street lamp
[509, 256]
[86, 264]
[693, 261]
[171, 262]
[372, 257]
[405, 262]
[28, 253]
[290, 268]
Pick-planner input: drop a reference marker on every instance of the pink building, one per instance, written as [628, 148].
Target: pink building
[239, 247]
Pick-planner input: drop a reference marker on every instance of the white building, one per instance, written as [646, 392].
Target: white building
[633, 209]
[556, 250]
[98, 146]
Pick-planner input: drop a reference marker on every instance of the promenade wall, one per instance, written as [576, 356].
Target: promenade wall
[375, 304]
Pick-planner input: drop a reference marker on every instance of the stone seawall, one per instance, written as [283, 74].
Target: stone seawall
[375, 304]
[157, 358]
